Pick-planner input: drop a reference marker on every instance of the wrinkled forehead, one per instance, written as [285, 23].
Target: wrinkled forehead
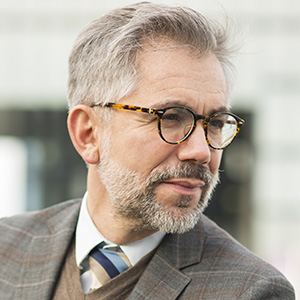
[173, 73]
[158, 54]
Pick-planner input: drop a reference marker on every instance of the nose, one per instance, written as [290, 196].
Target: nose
[195, 148]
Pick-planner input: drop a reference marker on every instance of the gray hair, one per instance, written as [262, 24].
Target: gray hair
[103, 62]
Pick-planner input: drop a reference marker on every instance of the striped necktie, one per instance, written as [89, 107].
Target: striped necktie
[106, 262]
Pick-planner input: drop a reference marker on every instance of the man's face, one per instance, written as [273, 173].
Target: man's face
[152, 184]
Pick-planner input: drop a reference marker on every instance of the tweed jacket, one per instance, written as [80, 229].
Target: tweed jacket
[204, 263]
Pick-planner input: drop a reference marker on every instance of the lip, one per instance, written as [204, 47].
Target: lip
[185, 186]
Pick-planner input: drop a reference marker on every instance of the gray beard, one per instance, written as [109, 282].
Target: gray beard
[135, 199]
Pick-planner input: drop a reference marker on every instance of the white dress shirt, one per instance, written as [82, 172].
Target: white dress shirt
[88, 236]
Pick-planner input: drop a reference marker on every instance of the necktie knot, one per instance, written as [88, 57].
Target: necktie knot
[106, 262]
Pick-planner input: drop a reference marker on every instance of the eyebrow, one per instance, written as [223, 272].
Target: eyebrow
[180, 103]
[220, 109]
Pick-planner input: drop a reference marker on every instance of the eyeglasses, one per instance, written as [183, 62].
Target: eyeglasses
[177, 123]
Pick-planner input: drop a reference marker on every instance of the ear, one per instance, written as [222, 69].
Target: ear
[82, 126]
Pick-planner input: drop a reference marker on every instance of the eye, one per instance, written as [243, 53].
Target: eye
[172, 117]
[217, 123]
[171, 121]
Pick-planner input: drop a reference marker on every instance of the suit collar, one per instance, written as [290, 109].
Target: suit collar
[163, 274]
[183, 250]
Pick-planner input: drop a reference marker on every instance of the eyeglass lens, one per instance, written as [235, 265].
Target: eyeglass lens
[178, 123]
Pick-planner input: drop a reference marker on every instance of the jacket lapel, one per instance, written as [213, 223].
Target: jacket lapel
[163, 278]
[47, 250]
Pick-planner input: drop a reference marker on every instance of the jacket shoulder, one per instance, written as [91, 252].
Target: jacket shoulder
[220, 246]
[231, 267]
[46, 221]
[32, 248]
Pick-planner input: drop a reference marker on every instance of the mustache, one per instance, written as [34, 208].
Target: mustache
[184, 170]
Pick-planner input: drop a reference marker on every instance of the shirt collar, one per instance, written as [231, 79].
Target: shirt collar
[84, 242]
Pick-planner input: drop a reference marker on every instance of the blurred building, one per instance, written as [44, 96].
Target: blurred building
[258, 201]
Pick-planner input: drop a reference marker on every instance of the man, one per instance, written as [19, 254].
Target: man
[149, 114]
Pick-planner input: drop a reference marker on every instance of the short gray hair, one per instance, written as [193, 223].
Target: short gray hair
[103, 62]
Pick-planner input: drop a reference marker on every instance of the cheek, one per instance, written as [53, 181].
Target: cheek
[216, 156]
[139, 153]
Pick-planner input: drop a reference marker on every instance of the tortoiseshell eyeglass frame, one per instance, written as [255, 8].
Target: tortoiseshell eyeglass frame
[160, 112]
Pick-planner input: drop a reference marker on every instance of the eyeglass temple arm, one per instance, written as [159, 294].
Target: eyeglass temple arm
[129, 107]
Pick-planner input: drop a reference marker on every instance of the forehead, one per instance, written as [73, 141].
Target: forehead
[175, 73]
